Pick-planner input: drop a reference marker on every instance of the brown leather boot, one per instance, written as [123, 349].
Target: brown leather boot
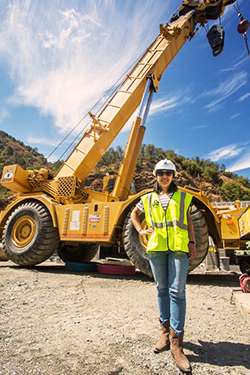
[176, 347]
[163, 343]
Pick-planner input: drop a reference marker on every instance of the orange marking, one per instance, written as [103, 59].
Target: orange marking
[83, 235]
[21, 183]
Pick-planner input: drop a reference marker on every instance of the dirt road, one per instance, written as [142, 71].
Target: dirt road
[54, 321]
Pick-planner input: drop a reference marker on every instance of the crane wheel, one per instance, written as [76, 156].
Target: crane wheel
[201, 237]
[3, 256]
[29, 237]
[135, 244]
[245, 266]
[81, 253]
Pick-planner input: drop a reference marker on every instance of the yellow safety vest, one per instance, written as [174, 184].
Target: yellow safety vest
[170, 226]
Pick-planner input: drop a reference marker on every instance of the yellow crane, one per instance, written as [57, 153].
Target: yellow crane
[58, 213]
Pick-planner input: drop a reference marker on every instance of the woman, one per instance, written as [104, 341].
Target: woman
[171, 243]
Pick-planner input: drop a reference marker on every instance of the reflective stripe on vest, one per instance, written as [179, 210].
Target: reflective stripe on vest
[171, 226]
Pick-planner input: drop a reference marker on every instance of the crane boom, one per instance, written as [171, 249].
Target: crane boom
[117, 112]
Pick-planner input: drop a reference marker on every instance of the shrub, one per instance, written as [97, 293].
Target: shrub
[234, 191]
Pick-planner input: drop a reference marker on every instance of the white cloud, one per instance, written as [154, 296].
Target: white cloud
[225, 152]
[73, 28]
[42, 141]
[3, 114]
[63, 54]
[53, 159]
[242, 163]
[161, 105]
[226, 88]
[165, 104]
[201, 126]
[237, 65]
[243, 97]
[236, 115]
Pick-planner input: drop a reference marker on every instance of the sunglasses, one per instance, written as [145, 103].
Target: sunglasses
[161, 173]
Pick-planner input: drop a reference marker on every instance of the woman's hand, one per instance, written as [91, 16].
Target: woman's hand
[192, 251]
[135, 219]
[144, 232]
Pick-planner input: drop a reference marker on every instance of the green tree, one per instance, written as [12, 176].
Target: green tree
[142, 153]
[119, 153]
[234, 191]
[171, 155]
[192, 167]
[244, 181]
[150, 154]
[9, 151]
[57, 165]
[212, 175]
[222, 168]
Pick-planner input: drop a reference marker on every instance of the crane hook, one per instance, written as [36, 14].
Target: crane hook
[243, 25]
[242, 29]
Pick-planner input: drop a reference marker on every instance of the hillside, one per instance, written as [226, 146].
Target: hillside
[144, 179]
[216, 182]
[13, 151]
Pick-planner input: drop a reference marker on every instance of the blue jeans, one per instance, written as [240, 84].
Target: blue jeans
[170, 269]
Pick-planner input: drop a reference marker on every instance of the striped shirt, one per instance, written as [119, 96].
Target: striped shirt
[164, 199]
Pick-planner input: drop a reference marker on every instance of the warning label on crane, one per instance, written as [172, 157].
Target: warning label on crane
[95, 218]
[75, 221]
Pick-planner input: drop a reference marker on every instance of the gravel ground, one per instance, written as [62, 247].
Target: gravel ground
[55, 321]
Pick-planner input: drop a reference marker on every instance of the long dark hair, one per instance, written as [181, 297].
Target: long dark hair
[172, 187]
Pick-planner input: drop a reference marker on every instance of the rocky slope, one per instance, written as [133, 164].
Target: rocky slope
[144, 179]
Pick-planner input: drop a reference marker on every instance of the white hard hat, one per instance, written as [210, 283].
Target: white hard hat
[166, 165]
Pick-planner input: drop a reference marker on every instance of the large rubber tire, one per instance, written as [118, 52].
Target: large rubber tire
[82, 253]
[29, 237]
[245, 266]
[201, 237]
[3, 256]
[135, 245]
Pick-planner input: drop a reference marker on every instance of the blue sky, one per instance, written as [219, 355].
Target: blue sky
[58, 57]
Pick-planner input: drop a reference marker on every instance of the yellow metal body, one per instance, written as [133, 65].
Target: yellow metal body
[244, 224]
[15, 178]
[127, 167]
[93, 222]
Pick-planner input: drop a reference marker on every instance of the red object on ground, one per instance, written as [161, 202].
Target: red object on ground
[245, 282]
[115, 270]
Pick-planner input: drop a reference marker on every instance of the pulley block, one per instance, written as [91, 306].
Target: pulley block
[215, 38]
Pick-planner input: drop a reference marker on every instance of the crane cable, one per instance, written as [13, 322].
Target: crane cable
[243, 26]
[110, 92]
